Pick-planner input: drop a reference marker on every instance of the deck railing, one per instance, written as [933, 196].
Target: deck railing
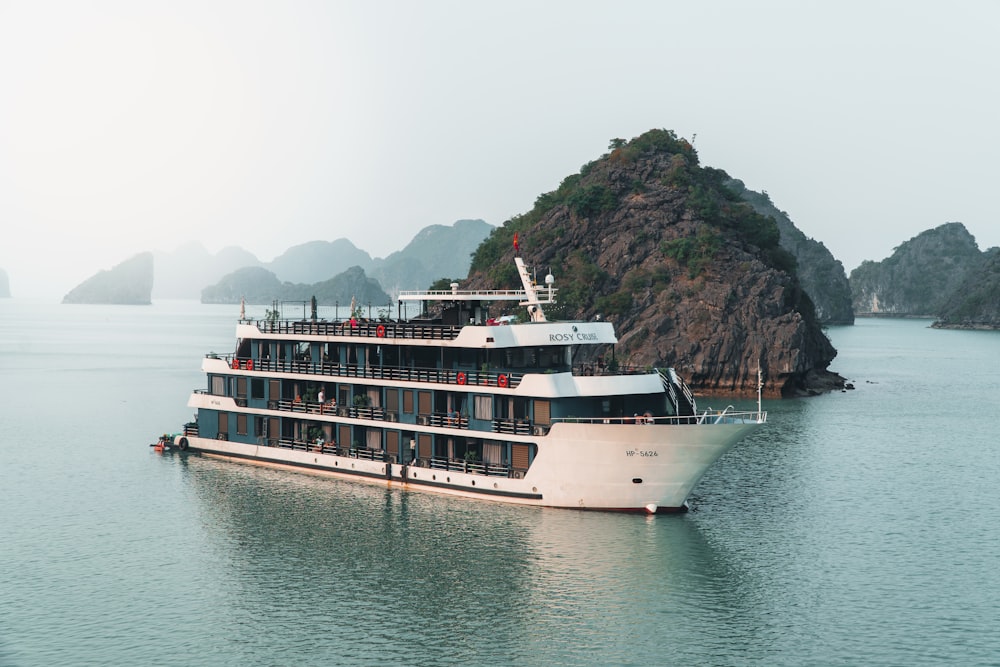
[726, 416]
[456, 376]
[437, 463]
[439, 419]
[362, 328]
[472, 467]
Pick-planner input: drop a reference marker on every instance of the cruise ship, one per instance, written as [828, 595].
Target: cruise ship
[456, 401]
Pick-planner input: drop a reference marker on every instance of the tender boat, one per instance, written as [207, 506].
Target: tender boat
[457, 402]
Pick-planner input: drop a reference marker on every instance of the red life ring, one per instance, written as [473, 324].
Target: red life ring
[502, 381]
[460, 378]
[380, 331]
[236, 363]
[249, 364]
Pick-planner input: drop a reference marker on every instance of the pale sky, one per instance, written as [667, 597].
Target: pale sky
[131, 126]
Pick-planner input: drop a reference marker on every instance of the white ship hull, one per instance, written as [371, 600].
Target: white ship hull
[620, 467]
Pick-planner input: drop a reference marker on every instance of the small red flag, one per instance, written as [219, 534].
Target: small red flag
[517, 246]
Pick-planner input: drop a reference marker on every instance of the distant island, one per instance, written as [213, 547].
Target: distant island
[921, 275]
[257, 285]
[318, 268]
[939, 274]
[331, 271]
[435, 252]
[976, 301]
[129, 283]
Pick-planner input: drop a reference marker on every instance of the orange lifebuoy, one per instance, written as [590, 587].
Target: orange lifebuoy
[249, 364]
[502, 381]
[236, 363]
[460, 378]
[380, 331]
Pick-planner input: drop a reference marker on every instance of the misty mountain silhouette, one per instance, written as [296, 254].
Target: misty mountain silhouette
[436, 251]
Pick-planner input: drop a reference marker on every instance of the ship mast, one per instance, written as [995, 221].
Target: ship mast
[531, 292]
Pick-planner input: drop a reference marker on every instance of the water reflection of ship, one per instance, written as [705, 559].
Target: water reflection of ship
[467, 579]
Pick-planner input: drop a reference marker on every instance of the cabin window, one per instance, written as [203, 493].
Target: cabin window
[241, 387]
[484, 407]
[374, 438]
[224, 423]
[408, 402]
[543, 413]
[424, 402]
[241, 424]
[392, 443]
[424, 445]
[257, 388]
[218, 385]
[520, 455]
[274, 390]
[492, 453]
[392, 400]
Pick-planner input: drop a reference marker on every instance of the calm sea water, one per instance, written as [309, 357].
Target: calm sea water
[858, 528]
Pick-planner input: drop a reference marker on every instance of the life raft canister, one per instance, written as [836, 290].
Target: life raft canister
[460, 378]
[502, 381]
[380, 331]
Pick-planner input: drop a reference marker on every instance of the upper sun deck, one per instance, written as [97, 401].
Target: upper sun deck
[463, 322]
[409, 332]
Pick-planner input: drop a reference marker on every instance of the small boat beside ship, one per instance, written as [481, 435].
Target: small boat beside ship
[458, 401]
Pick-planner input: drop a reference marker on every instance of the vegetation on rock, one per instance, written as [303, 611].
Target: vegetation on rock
[921, 277]
[822, 276]
[976, 302]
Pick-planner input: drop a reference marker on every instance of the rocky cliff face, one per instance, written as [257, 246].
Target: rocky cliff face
[690, 275]
[976, 302]
[921, 276]
[822, 275]
[129, 283]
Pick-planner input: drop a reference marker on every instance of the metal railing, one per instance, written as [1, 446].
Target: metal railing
[499, 379]
[727, 416]
[363, 328]
[512, 426]
[439, 419]
[471, 467]
[329, 448]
